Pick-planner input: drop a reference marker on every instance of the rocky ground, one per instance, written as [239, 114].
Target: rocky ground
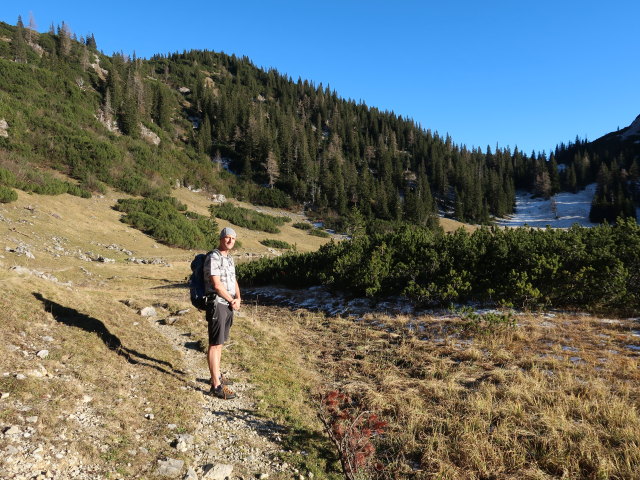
[229, 441]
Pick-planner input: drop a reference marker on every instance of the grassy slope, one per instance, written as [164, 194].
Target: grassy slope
[512, 404]
[199, 203]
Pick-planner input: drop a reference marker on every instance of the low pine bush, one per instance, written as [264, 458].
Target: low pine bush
[318, 232]
[594, 268]
[243, 217]
[302, 226]
[166, 220]
[7, 194]
[276, 244]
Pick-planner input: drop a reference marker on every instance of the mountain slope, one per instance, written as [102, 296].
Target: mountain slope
[143, 125]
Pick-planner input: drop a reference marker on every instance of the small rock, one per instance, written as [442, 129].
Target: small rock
[33, 419]
[217, 472]
[86, 399]
[149, 416]
[20, 376]
[11, 450]
[190, 475]
[169, 467]
[12, 430]
[172, 426]
[4, 395]
[47, 338]
[43, 353]
[148, 312]
[263, 475]
[38, 372]
[183, 442]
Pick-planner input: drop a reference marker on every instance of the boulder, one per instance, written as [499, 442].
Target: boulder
[169, 467]
[220, 471]
[4, 126]
[148, 312]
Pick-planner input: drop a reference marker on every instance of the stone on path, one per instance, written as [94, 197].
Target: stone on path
[148, 312]
[169, 467]
[190, 475]
[218, 472]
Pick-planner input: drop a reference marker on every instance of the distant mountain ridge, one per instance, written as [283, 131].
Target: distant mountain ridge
[144, 126]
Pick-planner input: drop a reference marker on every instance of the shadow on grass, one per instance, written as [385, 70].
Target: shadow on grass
[182, 285]
[74, 318]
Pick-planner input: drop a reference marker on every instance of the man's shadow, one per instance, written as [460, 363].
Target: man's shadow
[73, 318]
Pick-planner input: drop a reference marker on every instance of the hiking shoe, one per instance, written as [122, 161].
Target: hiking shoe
[225, 381]
[222, 392]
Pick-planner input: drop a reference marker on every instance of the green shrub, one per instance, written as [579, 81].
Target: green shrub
[302, 226]
[7, 177]
[7, 194]
[270, 197]
[164, 219]
[586, 268]
[276, 244]
[318, 232]
[243, 217]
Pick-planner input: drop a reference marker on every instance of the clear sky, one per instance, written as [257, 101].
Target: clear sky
[531, 74]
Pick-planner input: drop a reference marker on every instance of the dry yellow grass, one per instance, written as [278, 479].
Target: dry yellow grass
[450, 225]
[548, 399]
[554, 397]
[199, 203]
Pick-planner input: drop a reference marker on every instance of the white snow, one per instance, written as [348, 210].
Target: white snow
[536, 212]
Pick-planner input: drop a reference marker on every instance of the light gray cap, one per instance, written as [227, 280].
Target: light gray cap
[228, 232]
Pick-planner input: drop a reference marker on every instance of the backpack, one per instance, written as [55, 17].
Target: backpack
[196, 281]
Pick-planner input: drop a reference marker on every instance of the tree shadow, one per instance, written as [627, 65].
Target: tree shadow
[181, 285]
[74, 318]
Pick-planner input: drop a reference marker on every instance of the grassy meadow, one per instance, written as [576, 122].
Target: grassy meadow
[542, 395]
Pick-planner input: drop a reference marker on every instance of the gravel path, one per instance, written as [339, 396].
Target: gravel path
[229, 433]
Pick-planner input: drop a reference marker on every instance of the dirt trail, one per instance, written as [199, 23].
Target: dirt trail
[229, 432]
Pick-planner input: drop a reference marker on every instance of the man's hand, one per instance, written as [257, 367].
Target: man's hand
[235, 304]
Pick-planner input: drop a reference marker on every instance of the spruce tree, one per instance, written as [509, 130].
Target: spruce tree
[18, 43]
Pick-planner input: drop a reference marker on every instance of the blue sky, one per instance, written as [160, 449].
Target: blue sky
[531, 74]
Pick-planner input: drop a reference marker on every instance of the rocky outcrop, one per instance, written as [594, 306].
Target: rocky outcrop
[149, 136]
[4, 128]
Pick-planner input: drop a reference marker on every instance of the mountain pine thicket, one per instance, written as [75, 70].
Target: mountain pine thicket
[95, 117]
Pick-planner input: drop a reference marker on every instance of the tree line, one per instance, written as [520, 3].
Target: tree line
[285, 141]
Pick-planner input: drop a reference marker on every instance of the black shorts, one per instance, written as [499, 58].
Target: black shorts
[219, 320]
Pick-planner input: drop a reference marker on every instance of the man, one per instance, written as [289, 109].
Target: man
[223, 298]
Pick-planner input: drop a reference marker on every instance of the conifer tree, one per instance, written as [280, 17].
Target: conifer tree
[161, 110]
[128, 115]
[64, 40]
[18, 44]
[91, 42]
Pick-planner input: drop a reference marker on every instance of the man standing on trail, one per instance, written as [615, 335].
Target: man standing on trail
[223, 298]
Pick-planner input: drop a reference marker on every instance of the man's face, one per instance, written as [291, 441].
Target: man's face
[227, 243]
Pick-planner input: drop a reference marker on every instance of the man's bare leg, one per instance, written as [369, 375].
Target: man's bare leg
[214, 356]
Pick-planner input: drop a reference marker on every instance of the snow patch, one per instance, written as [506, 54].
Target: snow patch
[571, 208]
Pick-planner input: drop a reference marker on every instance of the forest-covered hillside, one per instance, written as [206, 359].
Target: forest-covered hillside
[143, 125]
